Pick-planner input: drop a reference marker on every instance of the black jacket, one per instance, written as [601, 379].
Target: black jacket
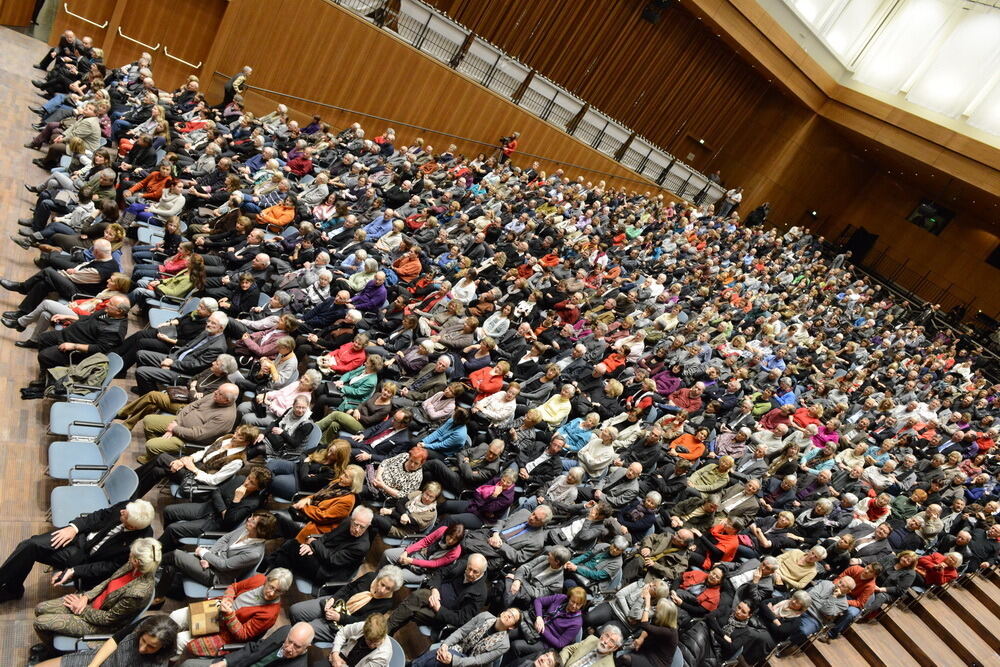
[459, 601]
[256, 651]
[111, 555]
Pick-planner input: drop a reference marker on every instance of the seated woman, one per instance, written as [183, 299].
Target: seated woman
[264, 342]
[353, 387]
[228, 506]
[553, 623]
[61, 250]
[42, 316]
[369, 412]
[209, 467]
[278, 370]
[169, 245]
[369, 594]
[287, 436]
[247, 611]
[411, 515]
[439, 548]
[221, 563]
[106, 608]
[436, 408]
[487, 505]
[324, 510]
[269, 407]
[700, 593]
[149, 644]
[312, 473]
[449, 437]
[184, 283]
[171, 265]
[362, 644]
[398, 475]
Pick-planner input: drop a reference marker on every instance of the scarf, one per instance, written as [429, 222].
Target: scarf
[415, 506]
[357, 601]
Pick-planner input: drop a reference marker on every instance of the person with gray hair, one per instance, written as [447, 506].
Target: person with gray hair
[157, 368]
[540, 576]
[599, 569]
[89, 548]
[372, 592]
[595, 650]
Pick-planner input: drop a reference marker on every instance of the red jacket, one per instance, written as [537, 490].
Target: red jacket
[153, 185]
[346, 358]
[484, 382]
[863, 588]
[927, 567]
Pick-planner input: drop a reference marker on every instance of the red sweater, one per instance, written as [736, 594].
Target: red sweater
[484, 382]
[863, 588]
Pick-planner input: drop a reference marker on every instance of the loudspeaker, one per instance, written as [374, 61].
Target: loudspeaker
[860, 244]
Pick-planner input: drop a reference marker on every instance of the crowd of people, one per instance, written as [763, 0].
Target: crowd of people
[548, 422]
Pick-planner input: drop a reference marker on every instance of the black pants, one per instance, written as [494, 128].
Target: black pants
[416, 609]
[438, 471]
[38, 287]
[142, 340]
[38, 549]
[153, 471]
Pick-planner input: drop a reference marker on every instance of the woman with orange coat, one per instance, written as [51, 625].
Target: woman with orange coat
[279, 216]
[690, 447]
[326, 508]
[248, 609]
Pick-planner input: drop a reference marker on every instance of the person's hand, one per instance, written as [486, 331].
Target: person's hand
[245, 336]
[539, 624]
[647, 595]
[312, 338]
[226, 606]
[188, 463]
[167, 363]
[63, 536]
[330, 613]
[570, 567]
[175, 465]
[515, 586]
[67, 347]
[434, 600]
[336, 660]
[522, 473]
[404, 559]
[64, 577]
[385, 511]
[443, 655]
[676, 522]
[301, 503]
[676, 598]
[495, 541]
[305, 550]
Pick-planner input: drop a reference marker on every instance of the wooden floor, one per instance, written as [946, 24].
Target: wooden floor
[24, 488]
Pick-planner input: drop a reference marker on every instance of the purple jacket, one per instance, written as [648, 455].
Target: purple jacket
[485, 506]
[370, 298]
[561, 626]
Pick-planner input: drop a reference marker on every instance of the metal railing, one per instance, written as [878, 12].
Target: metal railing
[432, 32]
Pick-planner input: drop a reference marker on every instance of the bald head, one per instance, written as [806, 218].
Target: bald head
[102, 249]
[298, 640]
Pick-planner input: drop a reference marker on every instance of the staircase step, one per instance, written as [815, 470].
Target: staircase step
[837, 653]
[878, 647]
[926, 647]
[800, 659]
[975, 615]
[986, 592]
[963, 640]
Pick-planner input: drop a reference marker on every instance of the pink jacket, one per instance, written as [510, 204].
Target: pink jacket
[430, 540]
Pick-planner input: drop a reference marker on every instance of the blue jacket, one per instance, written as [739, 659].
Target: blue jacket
[448, 438]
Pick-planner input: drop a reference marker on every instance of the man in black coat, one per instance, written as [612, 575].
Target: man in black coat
[452, 596]
[540, 464]
[293, 641]
[90, 548]
[333, 555]
[101, 332]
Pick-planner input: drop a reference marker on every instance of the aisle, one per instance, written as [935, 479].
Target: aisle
[24, 488]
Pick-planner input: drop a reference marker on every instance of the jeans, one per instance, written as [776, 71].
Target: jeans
[845, 619]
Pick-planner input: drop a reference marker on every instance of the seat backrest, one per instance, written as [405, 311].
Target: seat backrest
[113, 443]
[398, 658]
[115, 365]
[120, 484]
[190, 306]
[312, 440]
[110, 403]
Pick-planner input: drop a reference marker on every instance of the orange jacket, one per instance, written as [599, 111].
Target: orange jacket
[484, 382]
[326, 515]
[153, 185]
[407, 267]
[278, 215]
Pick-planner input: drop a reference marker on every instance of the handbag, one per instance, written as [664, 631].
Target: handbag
[179, 394]
[204, 616]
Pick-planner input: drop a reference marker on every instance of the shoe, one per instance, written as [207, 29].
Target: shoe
[11, 285]
[26, 344]
[36, 109]
[157, 603]
[37, 66]
[23, 242]
[38, 83]
[39, 163]
[825, 638]
[11, 324]
[34, 148]
[38, 126]
[26, 222]
[31, 188]
[12, 314]
[40, 263]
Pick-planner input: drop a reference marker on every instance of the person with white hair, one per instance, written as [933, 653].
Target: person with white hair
[89, 548]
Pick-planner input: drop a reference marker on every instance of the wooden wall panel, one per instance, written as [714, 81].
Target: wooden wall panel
[186, 28]
[672, 81]
[97, 11]
[16, 12]
[346, 61]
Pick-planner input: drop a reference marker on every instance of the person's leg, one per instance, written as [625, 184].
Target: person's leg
[599, 616]
[845, 620]
[17, 567]
[151, 378]
[189, 565]
[161, 445]
[308, 610]
[408, 609]
[183, 620]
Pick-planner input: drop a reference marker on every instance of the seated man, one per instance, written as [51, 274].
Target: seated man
[90, 548]
[157, 368]
[88, 277]
[288, 646]
[594, 651]
[515, 540]
[662, 555]
[452, 596]
[101, 332]
[199, 423]
[333, 555]
[481, 641]
[476, 465]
